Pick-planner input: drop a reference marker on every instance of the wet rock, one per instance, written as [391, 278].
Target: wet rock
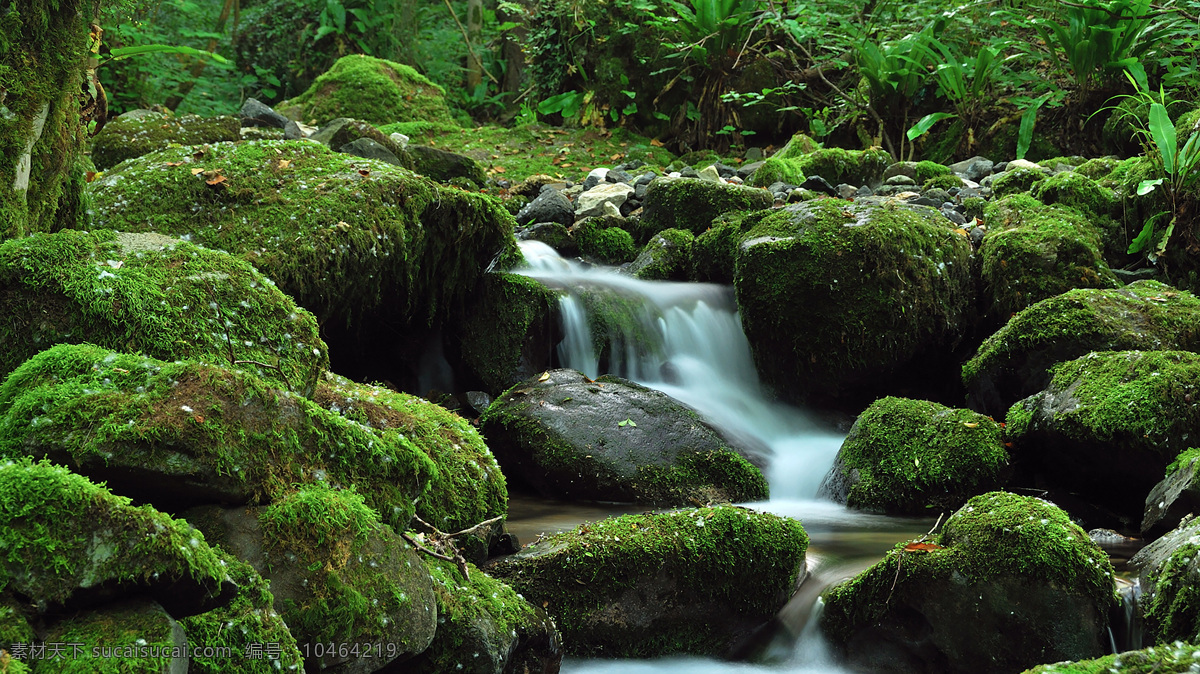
[256, 113]
[444, 166]
[604, 241]
[338, 133]
[508, 331]
[370, 89]
[1108, 424]
[914, 457]
[553, 234]
[549, 206]
[694, 204]
[1174, 657]
[1175, 497]
[613, 440]
[130, 136]
[136, 632]
[691, 581]
[668, 256]
[1009, 582]
[1015, 362]
[369, 149]
[1166, 572]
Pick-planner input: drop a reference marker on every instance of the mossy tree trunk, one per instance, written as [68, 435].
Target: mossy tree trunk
[43, 45]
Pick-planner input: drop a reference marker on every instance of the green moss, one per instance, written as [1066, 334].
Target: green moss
[371, 89]
[742, 561]
[604, 242]
[495, 329]
[714, 251]
[1185, 459]
[248, 622]
[944, 181]
[614, 319]
[668, 256]
[928, 170]
[126, 637]
[131, 136]
[1170, 598]
[1098, 168]
[797, 146]
[855, 167]
[824, 303]
[1146, 315]
[975, 207]
[1074, 190]
[777, 169]
[1053, 162]
[994, 536]
[1174, 658]
[910, 456]
[63, 533]
[342, 235]
[166, 298]
[191, 421]
[736, 478]
[14, 625]
[1032, 252]
[1016, 181]
[692, 204]
[466, 486]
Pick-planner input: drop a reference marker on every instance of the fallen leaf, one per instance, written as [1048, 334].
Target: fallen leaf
[921, 547]
[970, 424]
[174, 163]
[199, 419]
[364, 173]
[544, 377]
[284, 163]
[960, 230]
[499, 169]
[615, 157]
[656, 142]
[89, 176]
[196, 171]
[216, 180]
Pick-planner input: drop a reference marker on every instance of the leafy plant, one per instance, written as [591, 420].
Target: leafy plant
[895, 71]
[965, 81]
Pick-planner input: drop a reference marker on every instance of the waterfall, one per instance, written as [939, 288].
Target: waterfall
[686, 340]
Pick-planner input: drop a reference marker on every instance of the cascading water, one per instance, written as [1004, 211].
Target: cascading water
[686, 340]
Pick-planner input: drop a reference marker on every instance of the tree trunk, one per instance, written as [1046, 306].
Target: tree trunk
[43, 49]
[474, 31]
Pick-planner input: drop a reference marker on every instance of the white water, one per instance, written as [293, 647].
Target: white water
[689, 344]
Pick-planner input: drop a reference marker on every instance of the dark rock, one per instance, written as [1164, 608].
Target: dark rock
[847, 191]
[954, 216]
[479, 401]
[1167, 569]
[444, 166]
[676, 203]
[118, 632]
[900, 180]
[907, 169]
[257, 113]
[369, 149]
[818, 184]
[613, 440]
[667, 256]
[549, 206]
[509, 328]
[938, 195]
[344, 131]
[864, 191]
[689, 172]
[746, 170]
[925, 201]
[1175, 497]
[619, 176]
[1132, 276]
[293, 131]
[724, 170]
[645, 179]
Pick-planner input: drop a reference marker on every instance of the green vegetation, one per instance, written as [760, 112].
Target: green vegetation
[667, 256]
[370, 89]
[494, 332]
[692, 204]
[1174, 657]
[605, 242]
[133, 136]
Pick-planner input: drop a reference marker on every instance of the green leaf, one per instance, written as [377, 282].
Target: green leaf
[926, 123]
[1147, 186]
[1163, 133]
[1028, 119]
[125, 52]
[1146, 236]
[627, 422]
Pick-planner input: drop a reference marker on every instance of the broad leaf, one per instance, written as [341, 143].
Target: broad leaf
[1163, 132]
[926, 123]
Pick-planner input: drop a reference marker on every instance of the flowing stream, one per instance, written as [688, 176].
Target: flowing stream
[686, 340]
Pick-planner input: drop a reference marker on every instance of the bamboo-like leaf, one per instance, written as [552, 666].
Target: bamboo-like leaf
[1028, 119]
[126, 52]
[1163, 133]
[1144, 238]
[1147, 186]
[926, 123]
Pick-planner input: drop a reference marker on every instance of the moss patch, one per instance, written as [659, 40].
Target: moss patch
[342, 235]
[497, 329]
[855, 167]
[692, 204]
[166, 298]
[1177, 657]
[928, 170]
[686, 574]
[133, 135]
[668, 256]
[126, 637]
[371, 89]
[1016, 181]
[777, 170]
[604, 242]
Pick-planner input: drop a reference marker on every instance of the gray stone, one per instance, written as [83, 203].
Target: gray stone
[900, 180]
[902, 168]
[549, 206]
[847, 191]
[257, 113]
[369, 149]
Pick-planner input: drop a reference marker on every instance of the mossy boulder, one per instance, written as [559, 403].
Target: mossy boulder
[915, 457]
[244, 626]
[797, 146]
[185, 433]
[1167, 569]
[343, 235]
[508, 330]
[944, 181]
[603, 240]
[337, 574]
[1032, 252]
[166, 298]
[444, 166]
[833, 295]
[370, 89]
[1097, 168]
[667, 257]
[1173, 658]
[835, 165]
[613, 440]
[690, 581]
[133, 636]
[1010, 582]
[69, 542]
[1176, 497]
[140, 132]
[485, 627]
[466, 486]
[1109, 423]
[1018, 180]
[714, 252]
[928, 170]
[1015, 362]
[1075, 190]
[692, 204]
[338, 133]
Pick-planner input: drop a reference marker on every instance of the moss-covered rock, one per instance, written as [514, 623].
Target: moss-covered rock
[943, 181]
[340, 132]
[928, 170]
[244, 627]
[342, 235]
[1109, 423]
[484, 627]
[1010, 582]
[65, 536]
[690, 581]
[466, 486]
[833, 295]
[164, 297]
[1097, 168]
[183, 433]
[914, 457]
[854, 167]
[692, 204]
[613, 440]
[1174, 658]
[507, 331]
[1177, 496]
[1032, 252]
[337, 574]
[1015, 362]
[444, 166]
[371, 89]
[134, 636]
[140, 132]
[714, 252]
[1170, 600]
[1017, 180]
[667, 257]
[604, 241]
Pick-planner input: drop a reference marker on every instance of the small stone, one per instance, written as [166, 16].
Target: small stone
[847, 191]
[711, 174]
[900, 180]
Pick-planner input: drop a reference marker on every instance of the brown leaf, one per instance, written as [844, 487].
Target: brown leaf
[544, 377]
[364, 173]
[89, 176]
[921, 547]
[499, 169]
[284, 163]
[196, 171]
[216, 180]
[656, 142]
[174, 163]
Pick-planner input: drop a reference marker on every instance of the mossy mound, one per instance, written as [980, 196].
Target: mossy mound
[142, 132]
[854, 167]
[1015, 362]
[1032, 252]
[1010, 582]
[928, 170]
[485, 627]
[1098, 168]
[446, 166]
[797, 146]
[944, 181]
[184, 433]
[1167, 569]
[833, 295]
[692, 204]
[1017, 180]
[604, 241]
[65, 536]
[1109, 423]
[690, 581]
[244, 626]
[466, 486]
[370, 89]
[506, 335]
[667, 257]
[613, 440]
[134, 636]
[1175, 658]
[714, 252]
[914, 457]
[342, 235]
[164, 297]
